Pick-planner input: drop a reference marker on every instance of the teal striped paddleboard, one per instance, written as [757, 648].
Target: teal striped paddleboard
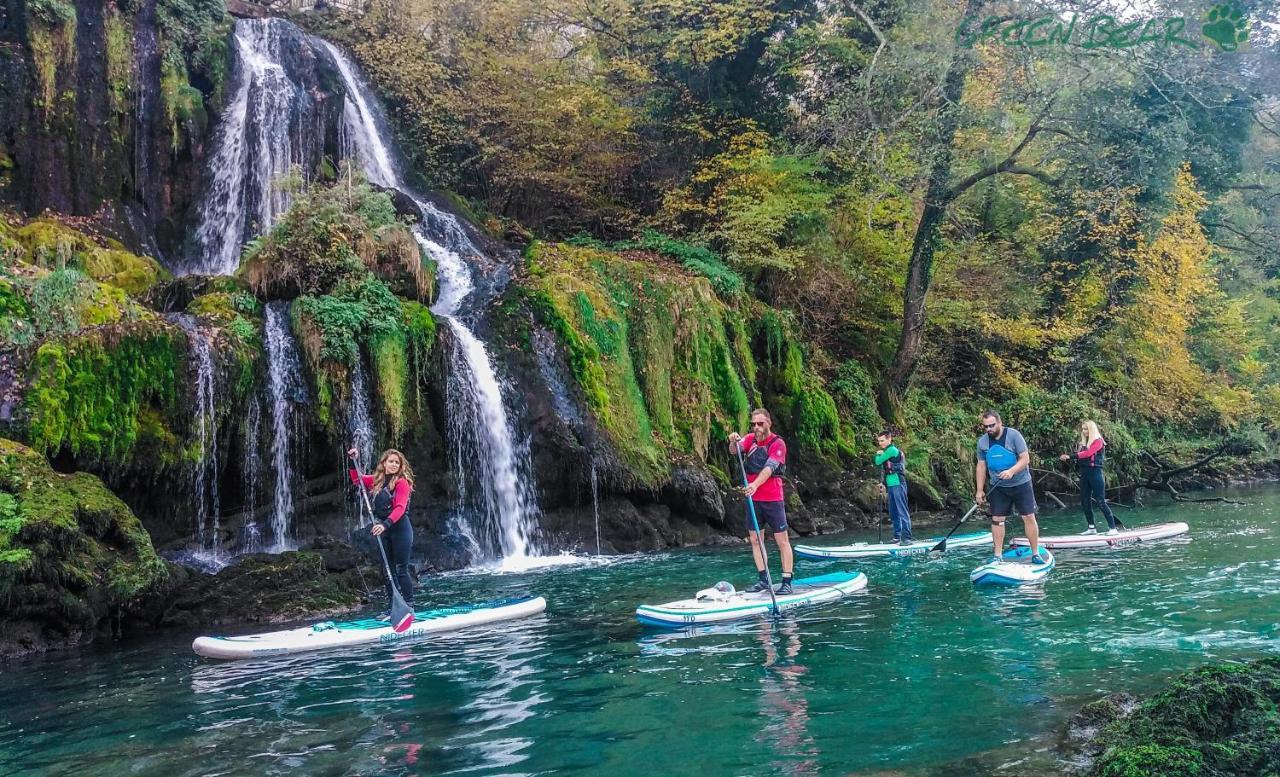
[328, 634]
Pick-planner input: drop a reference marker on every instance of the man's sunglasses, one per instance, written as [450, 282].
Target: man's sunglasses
[990, 426]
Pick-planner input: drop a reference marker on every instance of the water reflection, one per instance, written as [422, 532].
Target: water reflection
[784, 701]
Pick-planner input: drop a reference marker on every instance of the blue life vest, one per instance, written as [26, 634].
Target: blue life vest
[999, 458]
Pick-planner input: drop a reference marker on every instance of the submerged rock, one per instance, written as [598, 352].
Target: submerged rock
[262, 588]
[1216, 720]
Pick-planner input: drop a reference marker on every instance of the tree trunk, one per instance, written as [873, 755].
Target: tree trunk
[923, 246]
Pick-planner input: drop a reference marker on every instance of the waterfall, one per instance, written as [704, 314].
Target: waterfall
[477, 415]
[359, 419]
[208, 507]
[285, 390]
[360, 427]
[252, 148]
[250, 470]
[595, 503]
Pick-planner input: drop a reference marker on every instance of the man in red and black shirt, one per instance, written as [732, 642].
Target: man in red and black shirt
[765, 456]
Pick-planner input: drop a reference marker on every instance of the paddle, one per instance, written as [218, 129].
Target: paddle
[941, 547]
[755, 527]
[880, 521]
[401, 613]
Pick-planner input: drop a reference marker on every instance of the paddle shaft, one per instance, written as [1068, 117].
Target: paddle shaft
[880, 523]
[397, 601]
[755, 528]
[941, 547]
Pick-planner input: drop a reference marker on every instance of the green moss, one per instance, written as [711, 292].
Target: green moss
[119, 55]
[134, 274]
[650, 350]
[420, 337]
[1219, 720]
[15, 328]
[50, 244]
[344, 247]
[88, 390]
[388, 351]
[182, 103]
[69, 549]
[51, 36]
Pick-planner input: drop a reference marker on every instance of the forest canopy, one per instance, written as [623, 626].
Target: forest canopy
[974, 200]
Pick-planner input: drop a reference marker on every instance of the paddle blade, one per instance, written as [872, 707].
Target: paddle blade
[941, 547]
[401, 615]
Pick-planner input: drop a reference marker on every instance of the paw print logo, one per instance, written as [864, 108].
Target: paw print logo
[1227, 26]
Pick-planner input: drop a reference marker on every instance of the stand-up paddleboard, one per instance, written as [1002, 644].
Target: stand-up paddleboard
[1158, 531]
[712, 607]
[1014, 568]
[866, 549]
[336, 635]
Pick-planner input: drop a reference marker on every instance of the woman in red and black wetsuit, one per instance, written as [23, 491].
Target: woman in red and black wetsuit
[389, 487]
[1089, 455]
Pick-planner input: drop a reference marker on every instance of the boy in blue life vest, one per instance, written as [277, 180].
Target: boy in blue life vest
[893, 484]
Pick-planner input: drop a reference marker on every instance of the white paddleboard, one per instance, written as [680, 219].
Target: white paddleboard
[1158, 531]
[892, 549]
[336, 635]
[739, 604]
[1014, 568]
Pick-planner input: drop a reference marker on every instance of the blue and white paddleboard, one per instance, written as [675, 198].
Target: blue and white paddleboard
[713, 608]
[1014, 568]
[1158, 531]
[336, 635]
[866, 549]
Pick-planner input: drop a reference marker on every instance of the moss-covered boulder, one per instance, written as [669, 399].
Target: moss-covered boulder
[264, 588]
[71, 554]
[1217, 721]
[53, 245]
[359, 282]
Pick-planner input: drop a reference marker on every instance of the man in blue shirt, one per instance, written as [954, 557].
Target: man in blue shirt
[1003, 453]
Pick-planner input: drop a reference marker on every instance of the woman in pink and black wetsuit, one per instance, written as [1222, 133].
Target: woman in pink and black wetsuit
[389, 488]
[1089, 456]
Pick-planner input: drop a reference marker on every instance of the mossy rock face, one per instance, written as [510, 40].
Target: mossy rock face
[70, 554]
[1218, 720]
[92, 392]
[53, 245]
[667, 367]
[266, 588]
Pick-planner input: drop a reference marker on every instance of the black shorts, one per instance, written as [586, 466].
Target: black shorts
[772, 515]
[1021, 499]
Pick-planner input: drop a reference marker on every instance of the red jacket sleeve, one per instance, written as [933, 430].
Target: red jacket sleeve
[1093, 448]
[400, 500]
[356, 477]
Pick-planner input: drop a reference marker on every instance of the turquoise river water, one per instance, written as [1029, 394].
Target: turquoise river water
[920, 674]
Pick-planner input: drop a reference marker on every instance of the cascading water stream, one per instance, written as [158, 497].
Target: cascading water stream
[595, 503]
[359, 419]
[252, 149]
[250, 470]
[285, 390]
[478, 416]
[208, 505]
